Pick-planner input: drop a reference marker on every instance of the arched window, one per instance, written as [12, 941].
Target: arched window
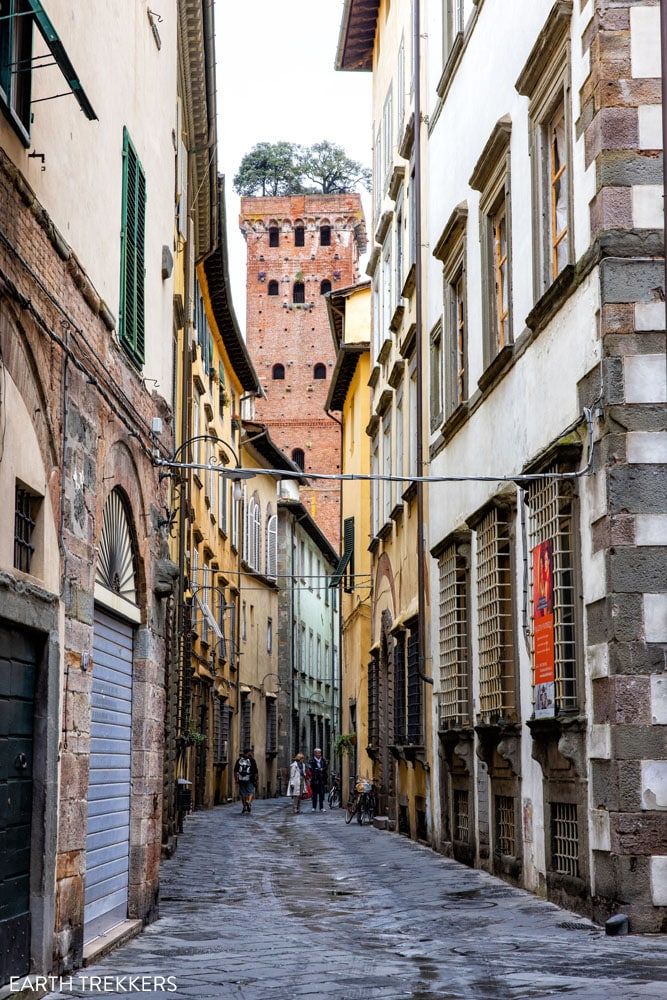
[271, 543]
[115, 568]
[320, 371]
[299, 292]
[274, 288]
[325, 286]
[274, 236]
[278, 373]
[325, 236]
[299, 458]
[299, 236]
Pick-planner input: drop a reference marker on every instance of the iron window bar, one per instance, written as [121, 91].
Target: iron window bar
[551, 519]
[24, 526]
[505, 826]
[453, 641]
[495, 614]
[461, 816]
[564, 839]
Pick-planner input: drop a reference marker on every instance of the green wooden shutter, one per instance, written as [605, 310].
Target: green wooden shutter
[132, 324]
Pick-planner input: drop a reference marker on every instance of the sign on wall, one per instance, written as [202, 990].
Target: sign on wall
[544, 670]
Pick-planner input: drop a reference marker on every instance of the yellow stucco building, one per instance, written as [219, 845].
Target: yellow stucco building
[349, 394]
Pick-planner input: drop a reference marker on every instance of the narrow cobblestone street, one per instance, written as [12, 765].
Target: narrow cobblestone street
[276, 906]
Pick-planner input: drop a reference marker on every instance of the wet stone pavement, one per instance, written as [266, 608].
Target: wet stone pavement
[275, 907]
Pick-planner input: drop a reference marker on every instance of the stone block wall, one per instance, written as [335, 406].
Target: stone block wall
[627, 628]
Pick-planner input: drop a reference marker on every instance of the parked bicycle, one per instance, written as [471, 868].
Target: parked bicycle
[333, 797]
[363, 803]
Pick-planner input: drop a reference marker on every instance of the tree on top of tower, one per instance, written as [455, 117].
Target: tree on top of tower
[270, 168]
[330, 169]
[283, 168]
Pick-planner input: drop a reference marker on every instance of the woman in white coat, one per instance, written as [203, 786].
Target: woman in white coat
[297, 781]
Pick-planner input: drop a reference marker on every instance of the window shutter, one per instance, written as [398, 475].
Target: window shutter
[133, 254]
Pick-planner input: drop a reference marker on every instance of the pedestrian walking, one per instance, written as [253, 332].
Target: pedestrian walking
[246, 774]
[318, 778]
[297, 781]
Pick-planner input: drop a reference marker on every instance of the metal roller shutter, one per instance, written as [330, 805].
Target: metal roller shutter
[108, 833]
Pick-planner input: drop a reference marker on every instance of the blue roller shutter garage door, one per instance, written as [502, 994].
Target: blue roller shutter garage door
[108, 834]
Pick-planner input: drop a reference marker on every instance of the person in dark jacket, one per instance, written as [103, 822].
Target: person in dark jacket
[246, 774]
[318, 778]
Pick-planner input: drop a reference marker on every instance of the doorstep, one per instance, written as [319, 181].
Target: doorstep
[105, 943]
[383, 823]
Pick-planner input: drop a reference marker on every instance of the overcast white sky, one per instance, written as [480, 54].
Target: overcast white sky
[276, 81]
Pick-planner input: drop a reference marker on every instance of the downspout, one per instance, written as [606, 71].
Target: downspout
[419, 270]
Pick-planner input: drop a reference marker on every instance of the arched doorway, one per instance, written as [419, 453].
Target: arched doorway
[109, 783]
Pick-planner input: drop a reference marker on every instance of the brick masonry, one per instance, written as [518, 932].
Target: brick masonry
[618, 99]
[48, 309]
[298, 335]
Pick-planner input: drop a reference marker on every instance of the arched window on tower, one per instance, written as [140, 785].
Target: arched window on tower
[278, 373]
[325, 236]
[299, 293]
[320, 371]
[299, 458]
[299, 236]
[274, 236]
[274, 288]
[325, 286]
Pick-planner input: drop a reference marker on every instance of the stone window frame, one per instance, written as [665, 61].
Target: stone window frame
[546, 80]
[492, 178]
[436, 375]
[451, 250]
[387, 135]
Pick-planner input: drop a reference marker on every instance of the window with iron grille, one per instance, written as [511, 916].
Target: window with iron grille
[26, 506]
[461, 819]
[564, 839]
[221, 731]
[495, 615]
[246, 723]
[505, 826]
[271, 726]
[551, 519]
[414, 692]
[453, 697]
[400, 715]
[373, 698]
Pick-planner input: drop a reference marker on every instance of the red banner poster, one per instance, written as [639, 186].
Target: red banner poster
[544, 672]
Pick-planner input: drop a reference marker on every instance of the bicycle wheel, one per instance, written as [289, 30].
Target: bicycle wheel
[361, 810]
[334, 798]
[352, 807]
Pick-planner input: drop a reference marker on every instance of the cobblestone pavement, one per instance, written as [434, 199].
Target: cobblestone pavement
[275, 907]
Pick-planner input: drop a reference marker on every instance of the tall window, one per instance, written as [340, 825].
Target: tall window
[453, 23]
[387, 136]
[413, 461]
[398, 257]
[553, 556]
[400, 88]
[271, 543]
[274, 236]
[274, 288]
[26, 506]
[375, 486]
[453, 697]
[554, 131]
[299, 458]
[271, 726]
[399, 485]
[325, 236]
[246, 723]
[299, 236]
[451, 251]
[495, 615]
[377, 170]
[299, 293]
[414, 685]
[319, 371]
[387, 288]
[373, 702]
[197, 445]
[131, 319]
[400, 692]
[501, 275]
[436, 376]
[278, 372]
[269, 635]
[16, 63]
[386, 467]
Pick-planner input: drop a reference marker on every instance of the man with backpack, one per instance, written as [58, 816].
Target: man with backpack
[245, 773]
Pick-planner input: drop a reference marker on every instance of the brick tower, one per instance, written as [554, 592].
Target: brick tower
[298, 248]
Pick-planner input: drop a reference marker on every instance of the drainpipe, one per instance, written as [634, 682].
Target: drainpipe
[663, 50]
[419, 269]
